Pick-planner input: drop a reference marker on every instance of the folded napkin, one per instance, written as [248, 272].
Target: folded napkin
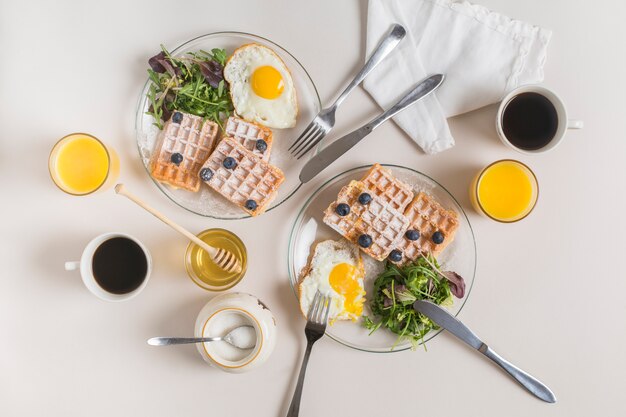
[483, 55]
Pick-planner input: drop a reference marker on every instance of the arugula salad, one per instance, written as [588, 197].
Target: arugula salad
[397, 288]
[193, 83]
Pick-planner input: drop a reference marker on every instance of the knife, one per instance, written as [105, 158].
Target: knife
[333, 151]
[445, 320]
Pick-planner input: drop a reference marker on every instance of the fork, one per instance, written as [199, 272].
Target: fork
[325, 119]
[314, 330]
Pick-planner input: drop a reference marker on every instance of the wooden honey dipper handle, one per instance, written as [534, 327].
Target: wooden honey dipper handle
[121, 189]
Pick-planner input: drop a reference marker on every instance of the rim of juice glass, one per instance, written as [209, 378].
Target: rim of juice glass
[52, 159]
[480, 177]
[244, 261]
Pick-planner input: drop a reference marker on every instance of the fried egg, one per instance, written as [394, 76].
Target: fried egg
[261, 87]
[335, 269]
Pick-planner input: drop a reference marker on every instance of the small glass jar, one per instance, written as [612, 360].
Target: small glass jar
[201, 268]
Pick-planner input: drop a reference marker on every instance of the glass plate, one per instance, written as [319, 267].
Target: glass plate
[309, 229]
[207, 202]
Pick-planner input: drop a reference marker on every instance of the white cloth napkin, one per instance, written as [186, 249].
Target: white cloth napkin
[483, 55]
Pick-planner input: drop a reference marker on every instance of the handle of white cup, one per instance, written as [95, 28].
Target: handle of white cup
[575, 124]
[72, 266]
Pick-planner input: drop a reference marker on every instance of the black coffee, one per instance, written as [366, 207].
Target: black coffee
[530, 121]
[119, 265]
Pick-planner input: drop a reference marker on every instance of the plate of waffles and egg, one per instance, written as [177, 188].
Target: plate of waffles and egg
[364, 229]
[215, 120]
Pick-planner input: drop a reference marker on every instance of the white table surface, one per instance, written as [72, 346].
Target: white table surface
[548, 293]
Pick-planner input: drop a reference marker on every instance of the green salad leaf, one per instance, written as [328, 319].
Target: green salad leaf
[192, 83]
[395, 291]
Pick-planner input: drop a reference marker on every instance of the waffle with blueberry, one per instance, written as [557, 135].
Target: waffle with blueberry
[256, 138]
[241, 176]
[382, 183]
[431, 230]
[185, 144]
[367, 220]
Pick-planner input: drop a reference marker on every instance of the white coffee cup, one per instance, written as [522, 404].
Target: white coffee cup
[86, 271]
[563, 122]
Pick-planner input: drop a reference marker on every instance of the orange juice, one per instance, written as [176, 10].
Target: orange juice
[506, 191]
[80, 164]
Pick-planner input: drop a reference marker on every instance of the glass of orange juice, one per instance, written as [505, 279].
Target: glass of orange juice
[81, 164]
[505, 191]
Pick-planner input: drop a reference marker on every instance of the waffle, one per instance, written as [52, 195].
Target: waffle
[251, 179]
[378, 219]
[427, 217]
[191, 138]
[247, 134]
[393, 191]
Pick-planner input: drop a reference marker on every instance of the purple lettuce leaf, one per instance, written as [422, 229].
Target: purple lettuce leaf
[457, 283]
[155, 62]
[160, 63]
[212, 71]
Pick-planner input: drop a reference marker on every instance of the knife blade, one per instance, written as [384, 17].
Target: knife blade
[447, 321]
[450, 323]
[333, 151]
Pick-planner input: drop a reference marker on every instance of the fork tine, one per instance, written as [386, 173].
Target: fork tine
[318, 307]
[303, 134]
[313, 306]
[325, 304]
[327, 311]
[319, 310]
[310, 146]
[311, 135]
[312, 141]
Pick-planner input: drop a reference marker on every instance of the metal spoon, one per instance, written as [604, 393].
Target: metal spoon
[243, 337]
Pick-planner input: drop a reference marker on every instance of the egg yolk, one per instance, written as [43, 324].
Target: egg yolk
[343, 279]
[267, 82]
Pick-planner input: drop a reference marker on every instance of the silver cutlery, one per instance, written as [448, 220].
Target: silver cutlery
[325, 120]
[333, 151]
[242, 337]
[317, 319]
[445, 320]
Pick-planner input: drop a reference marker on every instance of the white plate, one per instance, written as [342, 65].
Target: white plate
[308, 229]
[207, 202]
